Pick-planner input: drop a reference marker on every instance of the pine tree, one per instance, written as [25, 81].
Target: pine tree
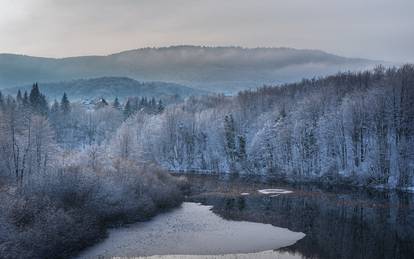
[153, 104]
[230, 137]
[160, 107]
[34, 96]
[135, 106]
[116, 104]
[65, 104]
[19, 98]
[55, 108]
[127, 109]
[242, 148]
[1, 100]
[38, 101]
[54, 113]
[25, 100]
[144, 102]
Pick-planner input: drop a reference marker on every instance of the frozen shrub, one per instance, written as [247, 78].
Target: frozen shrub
[59, 213]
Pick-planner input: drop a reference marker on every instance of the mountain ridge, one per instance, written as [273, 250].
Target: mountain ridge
[219, 69]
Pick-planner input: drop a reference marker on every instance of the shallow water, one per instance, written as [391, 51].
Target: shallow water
[193, 229]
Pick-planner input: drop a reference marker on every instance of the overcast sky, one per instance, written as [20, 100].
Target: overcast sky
[376, 29]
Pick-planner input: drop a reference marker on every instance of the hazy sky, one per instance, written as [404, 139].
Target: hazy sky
[377, 29]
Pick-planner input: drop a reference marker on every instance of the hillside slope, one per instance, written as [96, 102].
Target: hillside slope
[109, 87]
[222, 69]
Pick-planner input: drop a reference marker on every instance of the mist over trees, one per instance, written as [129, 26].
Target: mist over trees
[216, 69]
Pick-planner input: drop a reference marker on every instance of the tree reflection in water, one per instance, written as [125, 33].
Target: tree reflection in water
[339, 223]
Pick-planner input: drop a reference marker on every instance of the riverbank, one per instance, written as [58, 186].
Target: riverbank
[60, 214]
[327, 183]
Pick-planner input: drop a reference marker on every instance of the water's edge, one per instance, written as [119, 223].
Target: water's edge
[193, 229]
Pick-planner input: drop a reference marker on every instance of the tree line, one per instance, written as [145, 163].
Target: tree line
[353, 127]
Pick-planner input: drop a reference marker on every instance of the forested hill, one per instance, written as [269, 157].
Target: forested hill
[221, 69]
[356, 128]
[109, 88]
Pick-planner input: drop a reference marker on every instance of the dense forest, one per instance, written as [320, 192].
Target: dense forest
[354, 128]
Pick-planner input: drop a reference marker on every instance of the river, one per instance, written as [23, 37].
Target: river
[249, 218]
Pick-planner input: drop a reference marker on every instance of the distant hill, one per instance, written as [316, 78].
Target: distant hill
[109, 88]
[223, 69]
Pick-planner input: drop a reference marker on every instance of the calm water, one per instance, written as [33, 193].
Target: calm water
[192, 229]
[233, 217]
[347, 223]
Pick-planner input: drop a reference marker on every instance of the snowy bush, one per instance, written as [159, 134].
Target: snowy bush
[61, 212]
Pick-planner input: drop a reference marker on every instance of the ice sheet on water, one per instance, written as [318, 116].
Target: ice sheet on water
[274, 191]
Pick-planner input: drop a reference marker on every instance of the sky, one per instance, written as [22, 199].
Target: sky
[375, 29]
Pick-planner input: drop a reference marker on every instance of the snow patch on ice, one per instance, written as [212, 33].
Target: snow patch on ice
[244, 193]
[274, 191]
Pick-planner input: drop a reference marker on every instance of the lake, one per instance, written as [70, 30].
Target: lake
[236, 217]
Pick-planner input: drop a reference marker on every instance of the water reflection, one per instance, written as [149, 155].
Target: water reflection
[349, 223]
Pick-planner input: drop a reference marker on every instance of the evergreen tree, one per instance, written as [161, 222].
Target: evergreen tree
[160, 107]
[55, 114]
[34, 95]
[38, 101]
[153, 104]
[144, 102]
[65, 104]
[25, 100]
[116, 104]
[230, 137]
[19, 97]
[55, 108]
[1, 100]
[242, 148]
[135, 106]
[127, 109]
